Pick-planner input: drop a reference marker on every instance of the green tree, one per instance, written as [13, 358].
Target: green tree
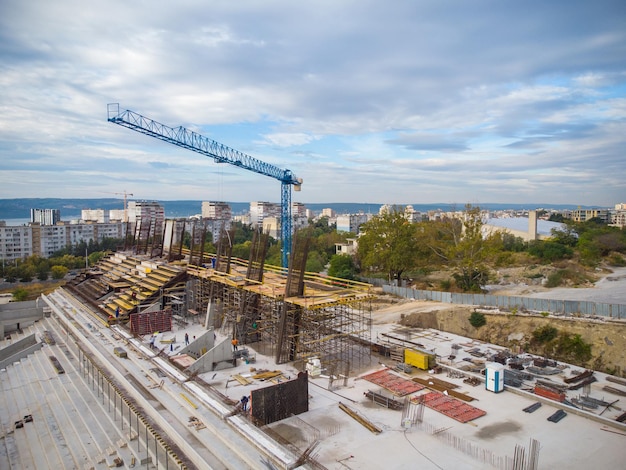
[95, 257]
[388, 244]
[27, 272]
[10, 274]
[43, 272]
[242, 250]
[316, 261]
[566, 236]
[243, 232]
[460, 245]
[512, 243]
[58, 272]
[342, 266]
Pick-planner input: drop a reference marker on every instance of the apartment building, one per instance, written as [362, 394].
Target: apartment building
[48, 239]
[44, 240]
[582, 215]
[618, 215]
[215, 216]
[259, 210]
[45, 216]
[99, 216]
[146, 211]
[351, 222]
[15, 242]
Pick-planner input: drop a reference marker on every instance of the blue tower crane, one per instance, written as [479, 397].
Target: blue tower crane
[190, 140]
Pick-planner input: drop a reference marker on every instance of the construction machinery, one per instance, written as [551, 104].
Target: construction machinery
[195, 142]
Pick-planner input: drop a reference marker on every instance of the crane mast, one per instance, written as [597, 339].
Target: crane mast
[221, 153]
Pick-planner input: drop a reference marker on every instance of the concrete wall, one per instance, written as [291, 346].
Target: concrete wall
[19, 313]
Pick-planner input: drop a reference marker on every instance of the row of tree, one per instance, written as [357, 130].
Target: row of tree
[392, 245]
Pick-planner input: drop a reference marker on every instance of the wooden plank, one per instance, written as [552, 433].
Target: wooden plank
[369, 425]
[241, 379]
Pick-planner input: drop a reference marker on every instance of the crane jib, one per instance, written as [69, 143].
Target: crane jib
[220, 153]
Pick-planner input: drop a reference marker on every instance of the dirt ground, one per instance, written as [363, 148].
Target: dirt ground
[608, 338]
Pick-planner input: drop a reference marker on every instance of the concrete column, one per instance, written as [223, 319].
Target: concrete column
[532, 225]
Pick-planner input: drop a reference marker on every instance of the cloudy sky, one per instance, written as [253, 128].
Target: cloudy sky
[368, 101]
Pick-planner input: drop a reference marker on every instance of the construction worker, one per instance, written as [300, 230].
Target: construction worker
[186, 339]
[234, 342]
[244, 402]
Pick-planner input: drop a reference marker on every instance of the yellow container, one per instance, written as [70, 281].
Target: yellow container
[419, 359]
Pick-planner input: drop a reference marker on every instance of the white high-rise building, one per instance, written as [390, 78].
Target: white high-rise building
[45, 216]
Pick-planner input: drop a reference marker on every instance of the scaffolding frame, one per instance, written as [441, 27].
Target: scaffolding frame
[333, 316]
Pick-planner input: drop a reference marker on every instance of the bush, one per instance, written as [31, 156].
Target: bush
[58, 272]
[555, 279]
[477, 319]
[545, 334]
[549, 251]
[572, 348]
[20, 294]
[617, 260]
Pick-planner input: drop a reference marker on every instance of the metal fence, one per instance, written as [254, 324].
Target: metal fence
[511, 303]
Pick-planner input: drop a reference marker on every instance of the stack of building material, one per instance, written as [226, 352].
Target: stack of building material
[451, 407]
[399, 386]
[557, 416]
[549, 392]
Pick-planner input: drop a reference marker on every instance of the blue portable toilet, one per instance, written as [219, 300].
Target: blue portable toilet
[494, 377]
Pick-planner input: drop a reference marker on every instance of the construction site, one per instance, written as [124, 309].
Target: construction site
[166, 356]
[330, 380]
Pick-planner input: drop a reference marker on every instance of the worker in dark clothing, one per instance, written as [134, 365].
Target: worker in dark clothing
[244, 403]
[186, 339]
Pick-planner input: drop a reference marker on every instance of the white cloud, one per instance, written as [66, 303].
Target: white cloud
[399, 102]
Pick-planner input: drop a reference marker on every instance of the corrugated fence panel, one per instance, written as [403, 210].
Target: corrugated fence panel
[567, 307]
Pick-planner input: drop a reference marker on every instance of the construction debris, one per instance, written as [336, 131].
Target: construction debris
[614, 391]
[615, 380]
[196, 423]
[587, 381]
[576, 378]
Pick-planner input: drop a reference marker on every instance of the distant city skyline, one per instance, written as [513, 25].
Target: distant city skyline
[442, 102]
[19, 209]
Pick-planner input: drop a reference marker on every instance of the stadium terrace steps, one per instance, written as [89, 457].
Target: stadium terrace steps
[67, 429]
